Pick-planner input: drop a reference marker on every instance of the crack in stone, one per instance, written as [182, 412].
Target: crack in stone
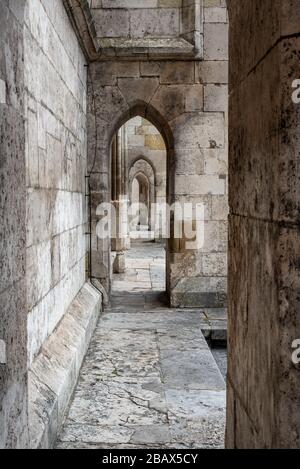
[136, 383]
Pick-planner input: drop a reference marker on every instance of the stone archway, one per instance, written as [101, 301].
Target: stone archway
[190, 137]
[143, 201]
[142, 171]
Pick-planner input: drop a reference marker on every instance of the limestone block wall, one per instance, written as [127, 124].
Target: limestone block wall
[137, 19]
[263, 381]
[187, 102]
[13, 334]
[55, 111]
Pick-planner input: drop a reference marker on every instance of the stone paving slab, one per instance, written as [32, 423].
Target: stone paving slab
[133, 390]
[123, 362]
[195, 369]
[115, 402]
[203, 429]
[188, 338]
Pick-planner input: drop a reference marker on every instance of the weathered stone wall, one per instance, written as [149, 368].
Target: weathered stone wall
[187, 102]
[13, 336]
[136, 18]
[55, 108]
[263, 383]
[143, 24]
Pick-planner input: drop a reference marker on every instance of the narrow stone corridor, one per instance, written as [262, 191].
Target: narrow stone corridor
[149, 378]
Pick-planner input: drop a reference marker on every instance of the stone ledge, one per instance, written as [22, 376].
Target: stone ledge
[200, 292]
[54, 373]
[106, 48]
[216, 329]
[145, 48]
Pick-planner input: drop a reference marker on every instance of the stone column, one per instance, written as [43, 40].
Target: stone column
[118, 187]
[125, 183]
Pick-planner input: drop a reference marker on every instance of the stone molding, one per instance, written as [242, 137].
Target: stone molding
[81, 18]
[54, 373]
[188, 45]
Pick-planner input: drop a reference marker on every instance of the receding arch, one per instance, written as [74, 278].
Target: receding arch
[143, 158]
[145, 170]
[147, 111]
[141, 165]
[139, 170]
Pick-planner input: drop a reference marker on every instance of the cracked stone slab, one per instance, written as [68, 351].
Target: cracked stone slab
[149, 379]
[120, 404]
[122, 362]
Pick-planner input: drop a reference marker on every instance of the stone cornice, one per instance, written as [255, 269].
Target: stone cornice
[188, 47]
[81, 18]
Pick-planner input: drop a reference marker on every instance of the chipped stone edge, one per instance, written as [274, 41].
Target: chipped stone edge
[54, 373]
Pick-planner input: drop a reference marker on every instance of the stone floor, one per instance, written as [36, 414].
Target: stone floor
[145, 269]
[149, 379]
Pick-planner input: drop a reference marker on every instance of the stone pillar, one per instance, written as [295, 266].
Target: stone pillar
[125, 184]
[264, 265]
[118, 187]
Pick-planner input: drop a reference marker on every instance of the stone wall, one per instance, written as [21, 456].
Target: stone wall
[55, 109]
[13, 336]
[187, 101]
[263, 382]
[144, 24]
[137, 19]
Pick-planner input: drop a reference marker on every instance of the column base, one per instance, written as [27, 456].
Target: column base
[119, 265]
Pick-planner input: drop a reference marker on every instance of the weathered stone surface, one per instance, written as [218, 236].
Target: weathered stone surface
[198, 370]
[186, 101]
[132, 22]
[200, 291]
[129, 393]
[56, 165]
[177, 73]
[138, 90]
[215, 98]
[215, 71]
[215, 41]
[13, 367]
[264, 229]
[183, 339]
[47, 156]
[2, 92]
[54, 372]
[43, 147]
[196, 417]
